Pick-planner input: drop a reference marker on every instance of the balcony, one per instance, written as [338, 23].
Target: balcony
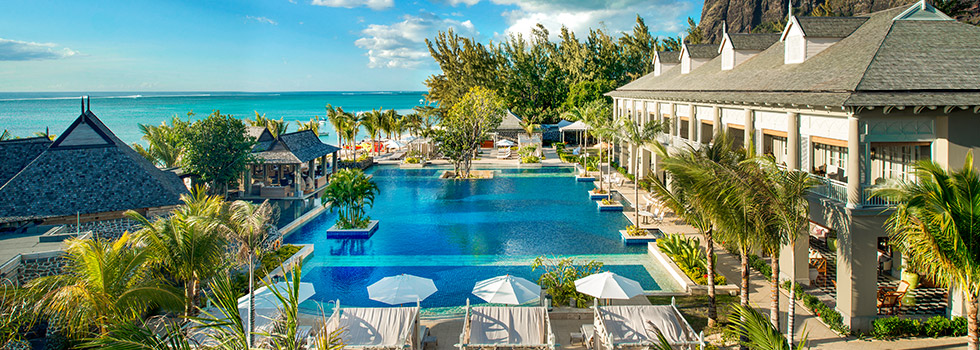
[837, 191]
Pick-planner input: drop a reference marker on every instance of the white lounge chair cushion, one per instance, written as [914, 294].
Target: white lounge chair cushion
[375, 327]
[508, 325]
[632, 324]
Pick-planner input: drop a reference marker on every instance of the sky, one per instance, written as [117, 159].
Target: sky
[275, 45]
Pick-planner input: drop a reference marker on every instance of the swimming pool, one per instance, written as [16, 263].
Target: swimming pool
[460, 232]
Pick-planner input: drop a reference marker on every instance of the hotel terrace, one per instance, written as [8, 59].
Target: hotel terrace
[854, 101]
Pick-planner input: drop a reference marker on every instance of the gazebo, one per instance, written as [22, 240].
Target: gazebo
[291, 165]
[578, 126]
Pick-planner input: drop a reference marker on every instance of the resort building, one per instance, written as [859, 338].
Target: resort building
[81, 183]
[291, 170]
[854, 101]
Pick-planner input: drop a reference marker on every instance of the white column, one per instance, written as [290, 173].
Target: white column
[691, 121]
[793, 141]
[716, 119]
[853, 171]
[749, 138]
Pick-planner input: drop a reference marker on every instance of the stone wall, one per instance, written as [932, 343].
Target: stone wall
[40, 265]
[106, 229]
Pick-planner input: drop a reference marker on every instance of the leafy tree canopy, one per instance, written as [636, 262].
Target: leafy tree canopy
[218, 150]
[467, 124]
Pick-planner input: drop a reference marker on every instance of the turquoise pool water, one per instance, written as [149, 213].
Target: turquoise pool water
[460, 232]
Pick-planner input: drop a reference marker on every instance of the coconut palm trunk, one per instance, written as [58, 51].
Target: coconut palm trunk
[709, 242]
[774, 291]
[251, 303]
[971, 320]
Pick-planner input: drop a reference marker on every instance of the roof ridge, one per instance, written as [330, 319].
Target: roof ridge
[867, 67]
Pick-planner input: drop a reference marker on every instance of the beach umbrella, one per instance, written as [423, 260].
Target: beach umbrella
[505, 143]
[266, 299]
[401, 289]
[608, 285]
[394, 144]
[507, 289]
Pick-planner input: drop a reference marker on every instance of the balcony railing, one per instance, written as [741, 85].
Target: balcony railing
[828, 188]
[868, 200]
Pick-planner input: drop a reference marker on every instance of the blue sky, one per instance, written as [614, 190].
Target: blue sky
[274, 45]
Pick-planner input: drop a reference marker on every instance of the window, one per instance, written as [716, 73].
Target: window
[707, 132]
[775, 147]
[829, 160]
[895, 160]
[684, 128]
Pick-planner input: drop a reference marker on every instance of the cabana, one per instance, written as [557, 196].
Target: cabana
[378, 327]
[626, 327]
[578, 126]
[507, 327]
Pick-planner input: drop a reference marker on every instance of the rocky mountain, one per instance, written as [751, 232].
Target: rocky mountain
[744, 15]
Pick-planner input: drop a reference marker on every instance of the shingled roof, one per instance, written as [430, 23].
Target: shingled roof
[294, 148]
[86, 170]
[829, 27]
[17, 153]
[755, 42]
[669, 57]
[702, 50]
[884, 62]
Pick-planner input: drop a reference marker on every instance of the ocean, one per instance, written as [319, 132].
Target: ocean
[23, 113]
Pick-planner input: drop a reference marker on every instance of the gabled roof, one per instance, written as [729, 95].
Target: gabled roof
[669, 57]
[293, 148]
[701, 51]
[260, 133]
[753, 42]
[17, 153]
[923, 11]
[510, 122]
[87, 170]
[829, 27]
[882, 63]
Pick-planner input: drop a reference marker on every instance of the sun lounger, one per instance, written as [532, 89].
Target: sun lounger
[378, 327]
[636, 326]
[506, 327]
[503, 153]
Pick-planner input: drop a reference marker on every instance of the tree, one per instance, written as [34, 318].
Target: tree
[276, 127]
[686, 203]
[694, 34]
[189, 245]
[312, 125]
[107, 282]
[631, 132]
[218, 149]
[559, 275]
[6, 135]
[952, 8]
[465, 64]
[340, 121]
[638, 47]
[468, 123]
[248, 227]
[583, 93]
[937, 225]
[757, 333]
[349, 191]
[373, 122]
[165, 146]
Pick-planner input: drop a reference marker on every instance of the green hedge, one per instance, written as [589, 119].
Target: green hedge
[828, 315]
[937, 326]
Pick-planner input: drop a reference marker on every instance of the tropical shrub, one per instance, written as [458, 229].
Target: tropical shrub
[937, 326]
[530, 159]
[634, 231]
[892, 327]
[348, 192]
[687, 254]
[363, 157]
[412, 160]
[827, 314]
[559, 278]
[756, 332]
[607, 201]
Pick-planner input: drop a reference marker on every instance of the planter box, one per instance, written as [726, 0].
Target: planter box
[616, 206]
[334, 232]
[651, 237]
[475, 175]
[411, 165]
[598, 196]
[581, 178]
[529, 165]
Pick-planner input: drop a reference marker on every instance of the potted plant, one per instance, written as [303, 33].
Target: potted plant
[349, 192]
[608, 204]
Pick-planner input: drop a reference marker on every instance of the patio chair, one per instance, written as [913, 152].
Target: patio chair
[891, 297]
[503, 153]
[820, 264]
[646, 213]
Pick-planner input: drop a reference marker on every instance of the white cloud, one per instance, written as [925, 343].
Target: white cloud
[373, 4]
[580, 15]
[459, 2]
[14, 50]
[402, 44]
[261, 19]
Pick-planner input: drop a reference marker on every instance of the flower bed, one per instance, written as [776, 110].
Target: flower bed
[687, 254]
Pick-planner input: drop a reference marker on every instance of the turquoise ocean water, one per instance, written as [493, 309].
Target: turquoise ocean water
[24, 113]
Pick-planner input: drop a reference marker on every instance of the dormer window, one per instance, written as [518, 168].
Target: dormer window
[693, 56]
[806, 37]
[664, 61]
[737, 48]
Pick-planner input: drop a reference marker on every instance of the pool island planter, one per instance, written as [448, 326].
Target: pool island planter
[582, 178]
[529, 165]
[599, 196]
[682, 279]
[474, 175]
[617, 206]
[651, 236]
[367, 232]
[418, 165]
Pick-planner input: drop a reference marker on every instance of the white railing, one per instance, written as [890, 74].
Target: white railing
[829, 188]
[868, 200]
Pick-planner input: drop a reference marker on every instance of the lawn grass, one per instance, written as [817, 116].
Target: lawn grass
[695, 310]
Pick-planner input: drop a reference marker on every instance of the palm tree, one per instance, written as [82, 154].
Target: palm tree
[339, 120]
[275, 127]
[757, 333]
[687, 204]
[373, 122]
[952, 8]
[937, 225]
[248, 227]
[598, 116]
[349, 191]
[108, 282]
[313, 125]
[790, 210]
[225, 324]
[6, 135]
[189, 245]
[529, 126]
[283, 335]
[141, 335]
[388, 121]
[164, 142]
[45, 134]
[630, 131]
[413, 122]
